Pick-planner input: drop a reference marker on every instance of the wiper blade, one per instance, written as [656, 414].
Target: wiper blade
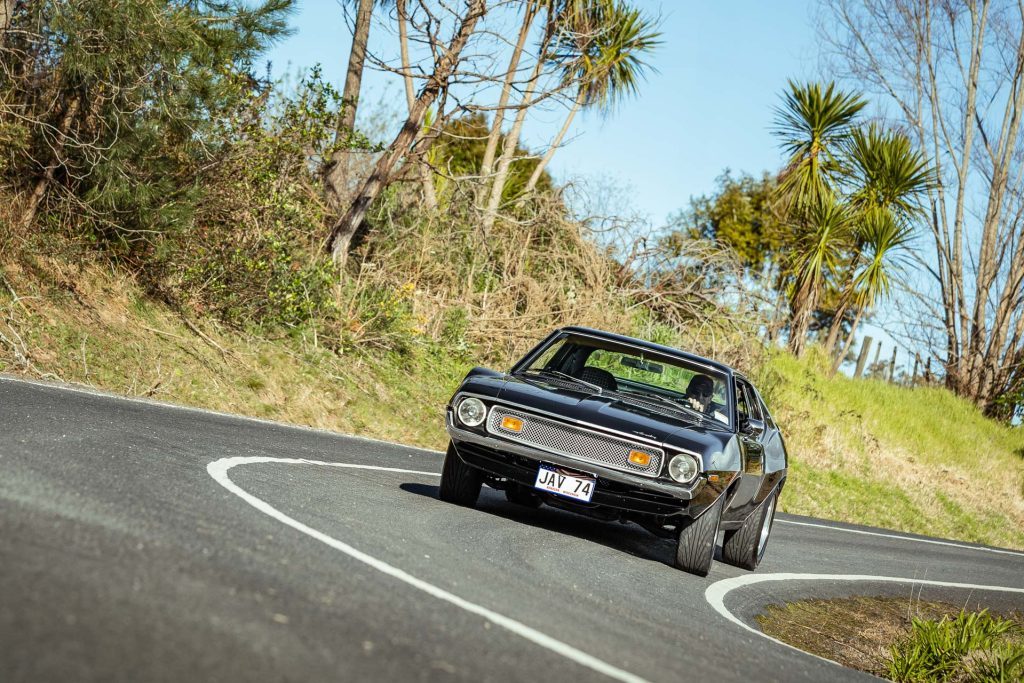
[565, 376]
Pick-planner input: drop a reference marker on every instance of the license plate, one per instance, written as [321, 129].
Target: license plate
[565, 483]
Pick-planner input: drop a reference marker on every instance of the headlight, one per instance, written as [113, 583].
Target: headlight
[471, 411]
[683, 468]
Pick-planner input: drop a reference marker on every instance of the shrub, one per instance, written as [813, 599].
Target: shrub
[973, 646]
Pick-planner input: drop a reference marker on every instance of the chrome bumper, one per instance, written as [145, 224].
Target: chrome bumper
[675, 490]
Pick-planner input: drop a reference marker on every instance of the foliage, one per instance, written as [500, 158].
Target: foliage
[742, 216]
[459, 153]
[849, 191]
[254, 256]
[600, 49]
[113, 105]
[974, 646]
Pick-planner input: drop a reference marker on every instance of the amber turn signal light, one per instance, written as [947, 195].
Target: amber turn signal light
[639, 458]
[512, 424]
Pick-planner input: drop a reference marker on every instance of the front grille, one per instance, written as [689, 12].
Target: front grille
[574, 442]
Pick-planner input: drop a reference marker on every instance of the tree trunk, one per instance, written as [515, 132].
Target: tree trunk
[426, 175]
[39, 191]
[508, 151]
[535, 176]
[838, 361]
[336, 175]
[487, 165]
[341, 233]
[835, 327]
[803, 305]
[6, 14]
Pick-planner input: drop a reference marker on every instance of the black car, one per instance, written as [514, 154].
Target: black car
[623, 429]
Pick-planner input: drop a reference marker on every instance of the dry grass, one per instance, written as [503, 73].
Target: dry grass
[857, 632]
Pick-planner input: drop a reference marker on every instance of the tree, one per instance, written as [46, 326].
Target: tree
[883, 241]
[461, 148]
[814, 124]
[556, 12]
[113, 104]
[741, 215]
[887, 181]
[531, 8]
[444, 67]
[955, 74]
[603, 61]
[335, 173]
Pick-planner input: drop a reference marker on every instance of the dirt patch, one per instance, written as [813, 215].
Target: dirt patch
[856, 632]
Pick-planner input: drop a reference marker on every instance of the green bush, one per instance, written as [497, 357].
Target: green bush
[253, 255]
[973, 646]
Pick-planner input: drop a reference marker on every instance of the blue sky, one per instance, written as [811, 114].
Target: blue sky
[707, 107]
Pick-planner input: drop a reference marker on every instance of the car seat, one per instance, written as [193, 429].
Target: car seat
[601, 378]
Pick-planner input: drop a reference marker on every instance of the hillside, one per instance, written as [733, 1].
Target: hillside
[918, 460]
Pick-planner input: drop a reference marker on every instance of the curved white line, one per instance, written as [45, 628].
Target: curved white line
[903, 538]
[716, 592]
[219, 471]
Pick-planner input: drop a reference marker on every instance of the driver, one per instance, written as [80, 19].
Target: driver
[699, 392]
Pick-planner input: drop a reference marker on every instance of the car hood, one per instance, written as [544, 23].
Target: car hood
[602, 410]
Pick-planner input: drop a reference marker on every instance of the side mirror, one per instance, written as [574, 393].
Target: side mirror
[752, 427]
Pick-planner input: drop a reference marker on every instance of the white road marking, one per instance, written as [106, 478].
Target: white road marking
[219, 471]
[950, 544]
[716, 592]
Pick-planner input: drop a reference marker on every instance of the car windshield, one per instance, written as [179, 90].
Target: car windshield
[662, 382]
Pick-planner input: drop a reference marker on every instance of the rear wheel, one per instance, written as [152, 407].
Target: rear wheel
[460, 483]
[744, 547]
[696, 548]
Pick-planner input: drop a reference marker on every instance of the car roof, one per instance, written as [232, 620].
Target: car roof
[658, 348]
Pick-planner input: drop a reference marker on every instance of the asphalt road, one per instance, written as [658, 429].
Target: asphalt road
[144, 542]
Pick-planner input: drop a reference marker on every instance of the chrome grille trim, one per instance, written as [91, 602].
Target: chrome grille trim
[582, 444]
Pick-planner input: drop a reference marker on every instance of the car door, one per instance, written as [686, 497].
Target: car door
[774, 447]
[752, 427]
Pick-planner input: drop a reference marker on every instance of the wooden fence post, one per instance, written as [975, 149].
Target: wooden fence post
[862, 358]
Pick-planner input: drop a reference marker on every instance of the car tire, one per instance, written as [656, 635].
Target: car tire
[517, 494]
[696, 548]
[744, 547]
[460, 483]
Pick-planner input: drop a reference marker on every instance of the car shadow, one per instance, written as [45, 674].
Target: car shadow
[628, 538]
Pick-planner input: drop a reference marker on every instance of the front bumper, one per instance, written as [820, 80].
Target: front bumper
[488, 451]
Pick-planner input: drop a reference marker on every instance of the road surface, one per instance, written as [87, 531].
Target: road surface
[147, 542]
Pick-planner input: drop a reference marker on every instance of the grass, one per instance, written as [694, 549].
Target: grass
[902, 639]
[918, 460]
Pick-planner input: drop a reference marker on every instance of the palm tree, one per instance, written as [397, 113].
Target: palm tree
[888, 180]
[819, 250]
[885, 239]
[602, 57]
[556, 13]
[814, 124]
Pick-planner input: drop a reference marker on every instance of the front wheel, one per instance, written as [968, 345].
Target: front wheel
[460, 483]
[744, 547]
[696, 548]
